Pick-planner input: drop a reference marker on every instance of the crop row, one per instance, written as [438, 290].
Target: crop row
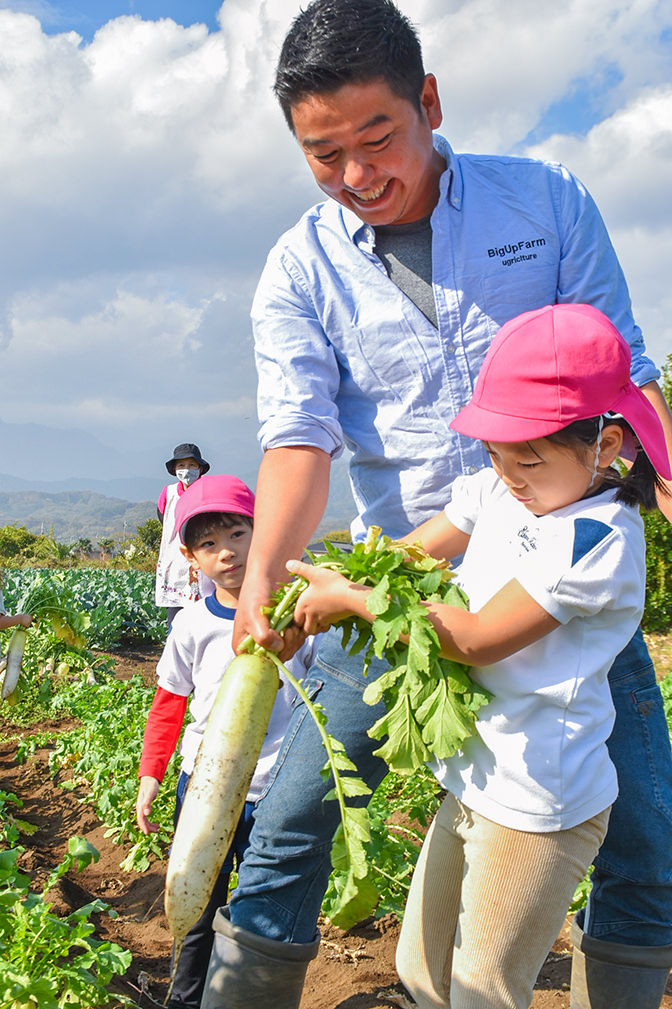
[119, 604]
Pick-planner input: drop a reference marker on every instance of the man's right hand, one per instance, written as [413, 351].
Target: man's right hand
[249, 616]
[292, 490]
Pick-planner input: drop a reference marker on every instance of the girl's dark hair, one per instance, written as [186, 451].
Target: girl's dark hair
[639, 484]
[337, 42]
[208, 522]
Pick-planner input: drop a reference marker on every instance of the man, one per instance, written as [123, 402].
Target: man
[371, 319]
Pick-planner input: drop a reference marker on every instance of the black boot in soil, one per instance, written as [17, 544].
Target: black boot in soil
[608, 975]
[248, 971]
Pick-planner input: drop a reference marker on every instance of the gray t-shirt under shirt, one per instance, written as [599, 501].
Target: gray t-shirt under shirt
[406, 253]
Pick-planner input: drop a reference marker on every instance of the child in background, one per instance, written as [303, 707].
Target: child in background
[214, 522]
[176, 584]
[554, 567]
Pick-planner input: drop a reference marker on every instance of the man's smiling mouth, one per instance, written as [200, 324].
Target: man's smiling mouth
[370, 194]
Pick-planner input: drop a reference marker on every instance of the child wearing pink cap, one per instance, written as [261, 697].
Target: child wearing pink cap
[554, 567]
[213, 518]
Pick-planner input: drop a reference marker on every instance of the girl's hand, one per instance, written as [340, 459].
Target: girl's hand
[147, 792]
[328, 598]
[24, 618]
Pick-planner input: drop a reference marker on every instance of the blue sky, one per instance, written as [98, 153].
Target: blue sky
[145, 172]
[85, 18]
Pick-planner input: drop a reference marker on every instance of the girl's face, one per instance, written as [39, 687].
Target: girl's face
[543, 475]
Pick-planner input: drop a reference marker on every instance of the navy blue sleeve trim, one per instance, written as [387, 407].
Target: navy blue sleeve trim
[587, 534]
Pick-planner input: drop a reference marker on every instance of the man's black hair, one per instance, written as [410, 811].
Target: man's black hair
[201, 525]
[337, 42]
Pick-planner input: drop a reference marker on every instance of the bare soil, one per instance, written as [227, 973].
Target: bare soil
[353, 970]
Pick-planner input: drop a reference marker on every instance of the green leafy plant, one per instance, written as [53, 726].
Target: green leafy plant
[119, 605]
[658, 533]
[431, 701]
[11, 827]
[658, 603]
[49, 962]
[100, 758]
[399, 810]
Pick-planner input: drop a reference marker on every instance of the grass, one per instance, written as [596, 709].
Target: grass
[660, 649]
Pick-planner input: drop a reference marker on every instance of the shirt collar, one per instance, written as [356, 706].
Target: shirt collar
[217, 609]
[450, 189]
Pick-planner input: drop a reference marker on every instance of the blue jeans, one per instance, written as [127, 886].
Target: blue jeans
[286, 868]
[631, 895]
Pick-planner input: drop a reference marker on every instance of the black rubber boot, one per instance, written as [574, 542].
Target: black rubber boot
[608, 975]
[248, 971]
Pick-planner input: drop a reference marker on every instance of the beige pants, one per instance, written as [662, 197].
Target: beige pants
[485, 906]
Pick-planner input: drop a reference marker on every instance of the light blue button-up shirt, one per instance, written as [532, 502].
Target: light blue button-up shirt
[344, 357]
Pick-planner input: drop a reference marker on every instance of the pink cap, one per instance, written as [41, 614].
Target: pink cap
[547, 368]
[212, 493]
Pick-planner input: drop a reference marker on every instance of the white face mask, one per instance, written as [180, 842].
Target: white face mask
[187, 476]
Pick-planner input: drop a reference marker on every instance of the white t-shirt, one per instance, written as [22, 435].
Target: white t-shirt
[196, 654]
[540, 761]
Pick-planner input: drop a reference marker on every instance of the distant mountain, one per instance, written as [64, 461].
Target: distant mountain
[74, 515]
[71, 481]
[53, 460]
[127, 488]
[34, 452]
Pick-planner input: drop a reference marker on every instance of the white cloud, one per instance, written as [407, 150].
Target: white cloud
[501, 65]
[145, 174]
[625, 163]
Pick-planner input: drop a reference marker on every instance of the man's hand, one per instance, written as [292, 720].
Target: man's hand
[254, 595]
[292, 490]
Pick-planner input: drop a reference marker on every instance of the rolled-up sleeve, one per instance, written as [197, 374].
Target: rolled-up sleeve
[297, 368]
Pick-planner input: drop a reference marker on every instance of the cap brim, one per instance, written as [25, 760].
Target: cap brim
[487, 425]
[475, 422]
[642, 417]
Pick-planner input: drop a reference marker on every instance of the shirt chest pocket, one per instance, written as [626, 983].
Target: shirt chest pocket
[516, 288]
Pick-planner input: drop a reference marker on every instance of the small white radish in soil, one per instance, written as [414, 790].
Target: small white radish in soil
[15, 652]
[217, 789]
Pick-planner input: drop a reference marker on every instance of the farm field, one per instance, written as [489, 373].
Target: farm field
[354, 969]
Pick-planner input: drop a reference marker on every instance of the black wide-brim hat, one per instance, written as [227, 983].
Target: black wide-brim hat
[187, 451]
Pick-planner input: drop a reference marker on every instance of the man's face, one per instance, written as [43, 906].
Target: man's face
[372, 151]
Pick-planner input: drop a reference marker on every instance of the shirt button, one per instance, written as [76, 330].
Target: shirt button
[450, 348]
[473, 470]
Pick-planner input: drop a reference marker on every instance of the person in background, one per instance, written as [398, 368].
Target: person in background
[176, 584]
[371, 319]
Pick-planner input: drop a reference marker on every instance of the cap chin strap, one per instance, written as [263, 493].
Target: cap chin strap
[598, 446]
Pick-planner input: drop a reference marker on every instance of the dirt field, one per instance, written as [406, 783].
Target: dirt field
[354, 970]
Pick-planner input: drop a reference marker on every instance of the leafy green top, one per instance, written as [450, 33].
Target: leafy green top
[431, 701]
